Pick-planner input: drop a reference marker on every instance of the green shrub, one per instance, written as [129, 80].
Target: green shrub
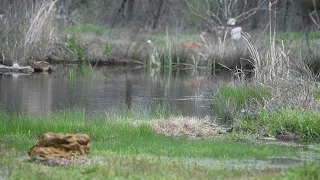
[75, 48]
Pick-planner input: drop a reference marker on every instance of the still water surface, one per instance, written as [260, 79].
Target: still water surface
[99, 90]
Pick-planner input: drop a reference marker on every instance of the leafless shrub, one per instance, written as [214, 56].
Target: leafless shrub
[219, 13]
[186, 127]
[222, 17]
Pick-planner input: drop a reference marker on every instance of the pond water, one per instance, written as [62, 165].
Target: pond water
[98, 90]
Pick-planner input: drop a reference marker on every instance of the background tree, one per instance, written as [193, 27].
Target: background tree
[130, 9]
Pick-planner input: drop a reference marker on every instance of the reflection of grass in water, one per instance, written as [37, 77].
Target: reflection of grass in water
[79, 72]
[295, 36]
[86, 72]
[147, 112]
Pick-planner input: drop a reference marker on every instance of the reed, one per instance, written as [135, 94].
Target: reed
[29, 33]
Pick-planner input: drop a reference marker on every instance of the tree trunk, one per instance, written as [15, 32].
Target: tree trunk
[157, 15]
[130, 9]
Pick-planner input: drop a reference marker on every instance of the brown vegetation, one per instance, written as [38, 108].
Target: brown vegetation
[186, 127]
[27, 30]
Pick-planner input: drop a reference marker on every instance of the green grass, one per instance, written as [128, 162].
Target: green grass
[243, 106]
[298, 35]
[125, 149]
[229, 101]
[119, 134]
[301, 121]
[113, 166]
[74, 47]
[308, 171]
[316, 94]
[87, 28]
[243, 94]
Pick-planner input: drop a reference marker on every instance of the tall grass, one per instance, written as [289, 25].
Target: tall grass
[291, 82]
[289, 106]
[166, 52]
[231, 103]
[308, 171]
[303, 123]
[28, 33]
[172, 51]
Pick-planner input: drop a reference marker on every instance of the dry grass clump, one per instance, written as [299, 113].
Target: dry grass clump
[229, 54]
[293, 93]
[290, 80]
[186, 126]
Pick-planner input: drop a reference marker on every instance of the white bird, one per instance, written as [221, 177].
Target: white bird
[236, 33]
[15, 65]
[231, 21]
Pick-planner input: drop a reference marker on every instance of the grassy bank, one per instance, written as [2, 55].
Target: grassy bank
[124, 136]
[229, 101]
[88, 43]
[250, 108]
[42, 34]
[128, 147]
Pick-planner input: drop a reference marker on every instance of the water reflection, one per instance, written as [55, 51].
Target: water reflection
[103, 89]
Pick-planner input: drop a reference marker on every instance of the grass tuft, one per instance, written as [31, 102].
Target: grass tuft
[185, 127]
[304, 123]
[230, 101]
[308, 171]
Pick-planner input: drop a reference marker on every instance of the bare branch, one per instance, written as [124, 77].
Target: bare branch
[223, 10]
